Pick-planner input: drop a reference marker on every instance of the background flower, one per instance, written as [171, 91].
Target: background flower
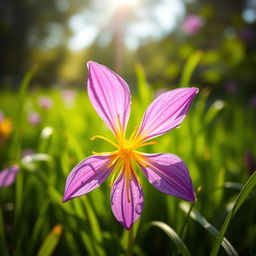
[192, 24]
[8, 175]
[45, 102]
[34, 118]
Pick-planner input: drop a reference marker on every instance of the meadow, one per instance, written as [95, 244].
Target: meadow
[48, 136]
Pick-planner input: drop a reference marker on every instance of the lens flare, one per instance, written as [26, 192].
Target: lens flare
[121, 3]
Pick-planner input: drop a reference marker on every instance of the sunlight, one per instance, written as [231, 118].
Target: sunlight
[149, 21]
[121, 3]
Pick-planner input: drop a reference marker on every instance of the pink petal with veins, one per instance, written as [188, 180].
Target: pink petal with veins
[8, 175]
[87, 175]
[109, 95]
[127, 200]
[166, 112]
[169, 174]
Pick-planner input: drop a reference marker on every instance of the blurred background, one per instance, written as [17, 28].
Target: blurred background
[46, 121]
[59, 37]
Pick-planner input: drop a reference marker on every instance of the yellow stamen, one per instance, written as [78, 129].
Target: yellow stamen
[115, 172]
[113, 161]
[134, 133]
[103, 153]
[145, 144]
[127, 181]
[138, 157]
[120, 136]
[119, 123]
[122, 159]
[104, 138]
[136, 175]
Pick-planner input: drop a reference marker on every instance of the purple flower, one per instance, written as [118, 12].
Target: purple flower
[248, 35]
[252, 101]
[110, 96]
[45, 102]
[1, 116]
[8, 175]
[27, 152]
[34, 118]
[231, 87]
[192, 24]
[68, 96]
[250, 163]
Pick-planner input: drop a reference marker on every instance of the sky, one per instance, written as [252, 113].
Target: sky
[144, 21]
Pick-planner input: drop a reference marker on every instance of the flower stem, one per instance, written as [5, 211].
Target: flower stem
[184, 228]
[129, 251]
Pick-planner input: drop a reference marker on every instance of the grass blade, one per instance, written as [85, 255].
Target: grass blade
[190, 66]
[50, 242]
[95, 227]
[240, 199]
[173, 235]
[196, 216]
[16, 138]
[143, 86]
[3, 248]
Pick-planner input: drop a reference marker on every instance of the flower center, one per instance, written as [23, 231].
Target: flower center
[125, 150]
[122, 159]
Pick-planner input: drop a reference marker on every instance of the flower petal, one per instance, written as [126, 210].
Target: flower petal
[166, 112]
[87, 175]
[8, 175]
[109, 95]
[169, 174]
[127, 200]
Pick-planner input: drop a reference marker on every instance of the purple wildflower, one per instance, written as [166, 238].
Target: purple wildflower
[248, 35]
[110, 96]
[27, 152]
[252, 101]
[192, 24]
[250, 163]
[231, 87]
[34, 118]
[45, 102]
[1, 116]
[68, 96]
[8, 175]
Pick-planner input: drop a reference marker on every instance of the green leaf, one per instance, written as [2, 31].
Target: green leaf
[189, 68]
[145, 93]
[196, 216]
[16, 138]
[50, 242]
[173, 235]
[3, 248]
[240, 199]
[95, 227]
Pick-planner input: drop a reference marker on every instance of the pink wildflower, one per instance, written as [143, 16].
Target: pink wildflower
[34, 118]
[45, 102]
[8, 175]
[192, 24]
[110, 96]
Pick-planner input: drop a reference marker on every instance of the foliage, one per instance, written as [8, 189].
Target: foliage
[212, 140]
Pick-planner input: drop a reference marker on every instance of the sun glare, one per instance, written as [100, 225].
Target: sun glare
[121, 3]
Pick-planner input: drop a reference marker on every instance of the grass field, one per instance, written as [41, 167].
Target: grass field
[215, 140]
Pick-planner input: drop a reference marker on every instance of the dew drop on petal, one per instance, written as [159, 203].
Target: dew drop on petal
[138, 208]
[157, 183]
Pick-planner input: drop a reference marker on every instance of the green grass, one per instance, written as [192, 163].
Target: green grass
[212, 141]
